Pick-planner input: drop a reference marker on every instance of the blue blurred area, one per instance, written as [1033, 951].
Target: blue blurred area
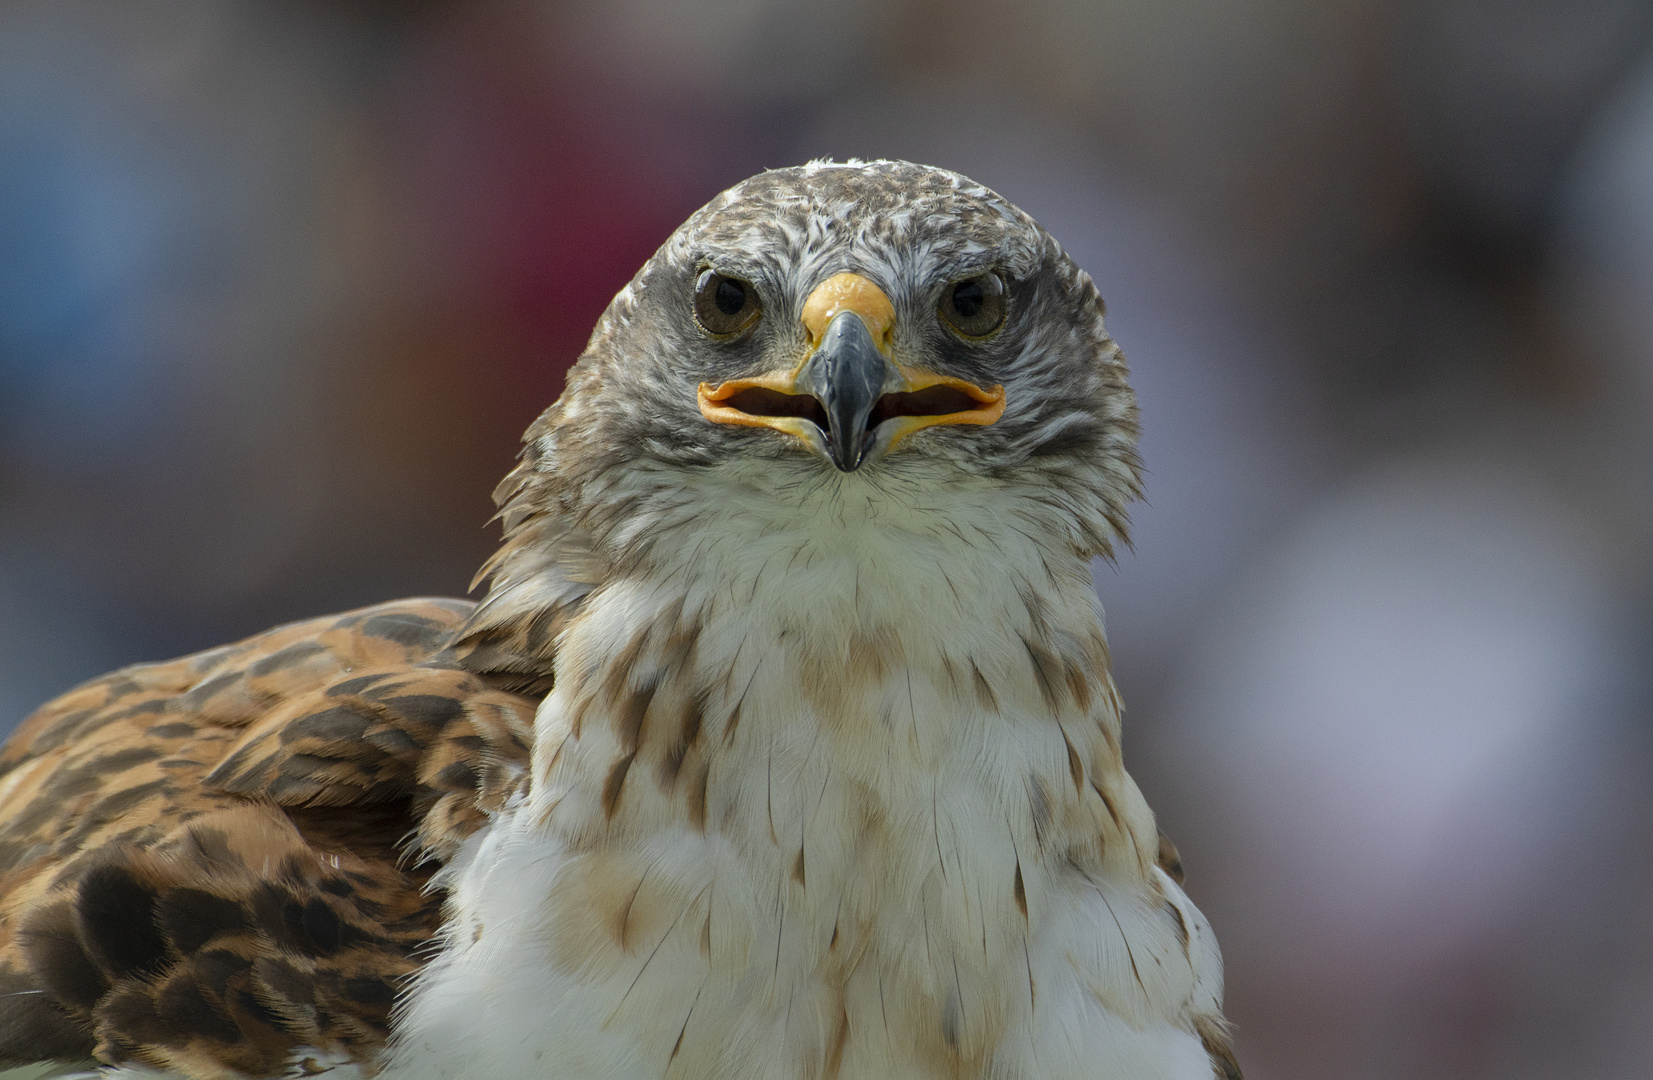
[88, 224]
[282, 282]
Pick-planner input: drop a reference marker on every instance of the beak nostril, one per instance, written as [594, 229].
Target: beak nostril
[853, 293]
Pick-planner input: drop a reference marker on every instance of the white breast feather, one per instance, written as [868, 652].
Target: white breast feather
[850, 905]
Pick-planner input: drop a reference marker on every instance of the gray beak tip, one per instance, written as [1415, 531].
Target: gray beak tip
[847, 375]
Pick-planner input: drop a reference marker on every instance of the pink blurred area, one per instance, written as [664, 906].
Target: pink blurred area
[281, 284]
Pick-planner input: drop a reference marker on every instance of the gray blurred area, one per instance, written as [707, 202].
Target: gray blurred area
[281, 283]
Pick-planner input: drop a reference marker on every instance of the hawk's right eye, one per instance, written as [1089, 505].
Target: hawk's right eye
[974, 307]
[724, 306]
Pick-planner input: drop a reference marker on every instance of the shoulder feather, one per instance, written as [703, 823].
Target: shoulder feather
[537, 582]
[210, 862]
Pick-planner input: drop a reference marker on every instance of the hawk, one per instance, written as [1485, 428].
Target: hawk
[783, 743]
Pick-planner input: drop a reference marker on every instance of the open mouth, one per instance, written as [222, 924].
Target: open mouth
[768, 401]
[938, 403]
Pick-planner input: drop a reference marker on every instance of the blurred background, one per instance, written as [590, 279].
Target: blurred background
[282, 282]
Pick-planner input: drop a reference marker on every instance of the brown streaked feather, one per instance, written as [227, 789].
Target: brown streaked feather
[1169, 859]
[205, 864]
[1213, 1033]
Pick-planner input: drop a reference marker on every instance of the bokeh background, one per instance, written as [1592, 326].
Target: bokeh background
[282, 281]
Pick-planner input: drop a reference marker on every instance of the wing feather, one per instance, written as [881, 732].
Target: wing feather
[208, 863]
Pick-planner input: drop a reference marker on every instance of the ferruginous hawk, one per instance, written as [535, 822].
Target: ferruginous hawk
[782, 746]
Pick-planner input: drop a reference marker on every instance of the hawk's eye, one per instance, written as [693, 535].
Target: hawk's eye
[974, 306]
[723, 305]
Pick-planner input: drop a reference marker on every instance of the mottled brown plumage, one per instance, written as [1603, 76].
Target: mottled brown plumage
[208, 863]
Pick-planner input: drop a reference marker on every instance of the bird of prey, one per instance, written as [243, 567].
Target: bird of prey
[783, 743]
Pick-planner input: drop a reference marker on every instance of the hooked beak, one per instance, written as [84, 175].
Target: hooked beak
[847, 375]
[847, 396]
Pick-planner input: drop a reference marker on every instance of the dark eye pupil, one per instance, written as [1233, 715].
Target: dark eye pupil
[730, 297]
[968, 298]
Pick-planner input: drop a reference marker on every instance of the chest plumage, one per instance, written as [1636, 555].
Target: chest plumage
[846, 802]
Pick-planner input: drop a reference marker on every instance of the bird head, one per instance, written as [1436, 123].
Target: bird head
[833, 333]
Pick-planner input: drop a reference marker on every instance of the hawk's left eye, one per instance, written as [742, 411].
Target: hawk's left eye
[724, 306]
[974, 307]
